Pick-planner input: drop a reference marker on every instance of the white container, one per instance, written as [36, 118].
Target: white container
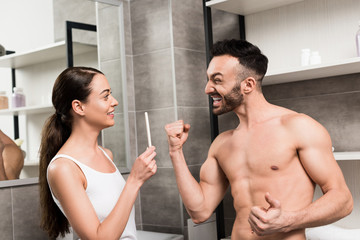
[357, 39]
[305, 56]
[18, 98]
[315, 58]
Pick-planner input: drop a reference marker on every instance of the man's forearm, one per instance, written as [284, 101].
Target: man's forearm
[332, 206]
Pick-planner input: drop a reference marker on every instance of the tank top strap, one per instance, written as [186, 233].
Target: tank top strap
[68, 157]
[107, 156]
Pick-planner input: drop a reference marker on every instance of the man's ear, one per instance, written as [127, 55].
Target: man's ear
[78, 107]
[250, 84]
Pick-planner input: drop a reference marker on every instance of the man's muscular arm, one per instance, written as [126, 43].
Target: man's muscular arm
[314, 149]
[200, 199]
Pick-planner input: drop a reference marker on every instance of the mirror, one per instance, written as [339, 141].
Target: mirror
[44, 32]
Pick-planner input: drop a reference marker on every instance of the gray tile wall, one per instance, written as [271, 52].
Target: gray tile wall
[169, 77]
[20, 213]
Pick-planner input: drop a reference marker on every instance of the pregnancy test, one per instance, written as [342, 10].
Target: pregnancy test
[148, 129]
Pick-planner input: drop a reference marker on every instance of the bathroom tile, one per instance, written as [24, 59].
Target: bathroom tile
[188, 24]
[26, 213]
[6, 225]
[197, 145]
[162, 229]
[223, 31]
[132, 137]
[109, 32]
[112, 71]
[157, 119]
[331, 85]
[338, 113]
[190, 69]
[227, 121]
[149, 25]
[153, 80]
[138, 218]
[75, 11]
[114, 139]
[127, 28]
[130, 83]
[160, 200]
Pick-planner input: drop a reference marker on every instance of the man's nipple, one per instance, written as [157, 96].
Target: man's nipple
[273, 167]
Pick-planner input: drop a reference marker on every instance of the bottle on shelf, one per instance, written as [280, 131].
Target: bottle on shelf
[18, 98]
[4, 101]
[315, 58]
[305, 56]
[358, 41]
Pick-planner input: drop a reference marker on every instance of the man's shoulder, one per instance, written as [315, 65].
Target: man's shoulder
[296, 119]
[221, 139]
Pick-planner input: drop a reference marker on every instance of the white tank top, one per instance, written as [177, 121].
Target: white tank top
[103, 190]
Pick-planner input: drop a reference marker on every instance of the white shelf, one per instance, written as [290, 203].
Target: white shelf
[246, 7]
[27, 110]
[343, 156]
[31, 163]
[47, 53]
[347, 66]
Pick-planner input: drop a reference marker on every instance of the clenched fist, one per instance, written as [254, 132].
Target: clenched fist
[177, 134]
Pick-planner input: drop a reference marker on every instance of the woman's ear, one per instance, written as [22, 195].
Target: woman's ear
[249, 84]
[78, 107]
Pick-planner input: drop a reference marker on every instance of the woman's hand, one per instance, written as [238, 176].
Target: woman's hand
[144, 166]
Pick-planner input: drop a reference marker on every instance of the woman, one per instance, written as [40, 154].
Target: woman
[79, 183]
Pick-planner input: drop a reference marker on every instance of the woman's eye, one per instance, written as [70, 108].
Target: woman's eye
[107, 95]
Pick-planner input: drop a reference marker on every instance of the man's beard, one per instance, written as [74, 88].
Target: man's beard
[230, 101]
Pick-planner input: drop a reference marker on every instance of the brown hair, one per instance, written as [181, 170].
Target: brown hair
[73, 83]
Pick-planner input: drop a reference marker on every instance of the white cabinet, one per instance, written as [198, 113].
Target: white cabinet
[36, 71]
[245, 7]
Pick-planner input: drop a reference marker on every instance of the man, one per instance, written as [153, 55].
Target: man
[272, 160]
[11, 158]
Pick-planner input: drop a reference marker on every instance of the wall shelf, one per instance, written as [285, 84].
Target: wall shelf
[27, 110]
[44, 54]
[343, 67]
[343, 156]
[32, 163]
[246, 7]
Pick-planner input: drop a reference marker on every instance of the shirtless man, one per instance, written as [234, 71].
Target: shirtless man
[11, 158]
[272, 160]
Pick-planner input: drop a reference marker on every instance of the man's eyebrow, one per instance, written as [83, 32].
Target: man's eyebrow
[214, 75]
[106, 90]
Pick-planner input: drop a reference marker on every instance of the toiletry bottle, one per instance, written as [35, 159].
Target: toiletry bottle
[4, 101]
[315, 58]
[358, 41]
[18, 98]
[305, 56]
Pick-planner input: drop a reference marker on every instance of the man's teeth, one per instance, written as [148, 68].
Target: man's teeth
[217, 99]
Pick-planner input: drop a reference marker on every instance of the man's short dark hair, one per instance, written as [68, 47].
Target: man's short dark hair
[247, 54]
